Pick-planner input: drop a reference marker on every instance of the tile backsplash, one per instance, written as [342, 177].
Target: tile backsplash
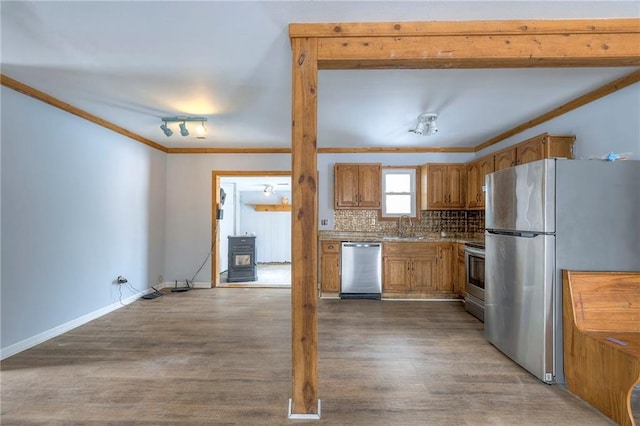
[431, 221]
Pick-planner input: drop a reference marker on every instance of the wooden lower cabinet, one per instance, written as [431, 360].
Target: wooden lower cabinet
[461, 271]
[397, 273]
[447, 265]
[415, 268]
[329, 267]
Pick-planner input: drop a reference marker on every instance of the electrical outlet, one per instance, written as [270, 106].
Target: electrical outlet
[121, 280]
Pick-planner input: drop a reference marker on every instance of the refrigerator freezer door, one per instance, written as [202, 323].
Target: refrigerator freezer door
[519, 300]
[522, 198]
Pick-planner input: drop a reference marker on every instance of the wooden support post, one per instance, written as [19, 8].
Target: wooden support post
[304, 223]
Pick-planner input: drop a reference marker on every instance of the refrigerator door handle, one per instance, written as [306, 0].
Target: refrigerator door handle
[522, 234]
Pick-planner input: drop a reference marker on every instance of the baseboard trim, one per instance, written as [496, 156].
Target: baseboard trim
[68, 326]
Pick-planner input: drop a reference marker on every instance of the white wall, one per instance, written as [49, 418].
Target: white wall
[610, 124]
[80, 206]
[272, 229]
[189, 206]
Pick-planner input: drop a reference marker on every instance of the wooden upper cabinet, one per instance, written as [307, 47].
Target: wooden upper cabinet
[504, 159]
[346, 185]
[544, 146]
[476, 172]
[369, 183]
[443, 186]
[357, 186]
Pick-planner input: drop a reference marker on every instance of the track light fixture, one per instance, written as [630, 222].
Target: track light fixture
[167, 131]
[426, 124]
[183, 129]
[201, 129]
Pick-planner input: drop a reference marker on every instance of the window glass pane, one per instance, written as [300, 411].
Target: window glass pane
[398, 183]
[398, 204]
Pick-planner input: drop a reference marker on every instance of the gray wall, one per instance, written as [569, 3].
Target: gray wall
[189, 206]
[80, 206]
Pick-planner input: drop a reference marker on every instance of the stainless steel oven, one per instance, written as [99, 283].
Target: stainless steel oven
[474, 264]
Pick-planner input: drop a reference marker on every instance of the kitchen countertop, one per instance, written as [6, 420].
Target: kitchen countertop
[366, 236]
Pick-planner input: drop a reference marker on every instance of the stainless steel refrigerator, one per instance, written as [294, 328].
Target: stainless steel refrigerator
[543, 217]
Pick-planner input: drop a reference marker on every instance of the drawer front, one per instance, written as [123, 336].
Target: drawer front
[330, 247]
[410, 249]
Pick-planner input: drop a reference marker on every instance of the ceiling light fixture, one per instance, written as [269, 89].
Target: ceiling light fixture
[201, 129]
[183, 129]
[426, 124]
[167, 131]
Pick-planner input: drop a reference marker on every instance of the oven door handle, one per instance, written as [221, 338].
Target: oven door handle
[474, 251]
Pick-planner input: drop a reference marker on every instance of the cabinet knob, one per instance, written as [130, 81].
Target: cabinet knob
[331, 246]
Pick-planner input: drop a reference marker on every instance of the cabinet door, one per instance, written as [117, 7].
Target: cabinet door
[424, 275]
[530, 151]
[436, 185]
[397, 274]
[369, 176]
[486, 167]
[558, 147]
[330, 273]
[456, 180]
[473, 184]
[446, 268]
[461, 280]
[505, 159]
[345, 186]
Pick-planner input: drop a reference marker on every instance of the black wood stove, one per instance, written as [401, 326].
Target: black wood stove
[242, 259]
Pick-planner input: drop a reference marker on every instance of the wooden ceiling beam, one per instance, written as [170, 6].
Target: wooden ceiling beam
[444, 28]
[480, 51]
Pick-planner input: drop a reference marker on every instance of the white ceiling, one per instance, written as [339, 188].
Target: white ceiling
[134, 62]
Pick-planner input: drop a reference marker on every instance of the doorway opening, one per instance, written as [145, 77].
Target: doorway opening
[251, 229]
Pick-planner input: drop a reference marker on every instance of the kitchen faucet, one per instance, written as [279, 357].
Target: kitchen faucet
[401, 230]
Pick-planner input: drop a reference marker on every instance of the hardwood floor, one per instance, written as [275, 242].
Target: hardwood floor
[222, 356]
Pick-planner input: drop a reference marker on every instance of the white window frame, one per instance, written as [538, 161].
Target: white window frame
[413, 191]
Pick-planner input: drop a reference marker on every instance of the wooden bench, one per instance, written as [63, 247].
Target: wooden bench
[601, 324]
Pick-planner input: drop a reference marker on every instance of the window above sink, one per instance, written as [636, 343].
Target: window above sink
[399, 195]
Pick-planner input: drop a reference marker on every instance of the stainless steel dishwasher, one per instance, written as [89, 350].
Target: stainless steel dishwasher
[361, 270]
